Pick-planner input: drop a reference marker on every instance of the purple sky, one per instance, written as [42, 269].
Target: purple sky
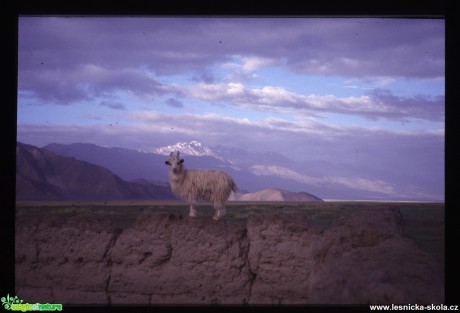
[367, 92]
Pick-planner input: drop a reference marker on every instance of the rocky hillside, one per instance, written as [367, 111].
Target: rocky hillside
[43, 175]
[362, 258]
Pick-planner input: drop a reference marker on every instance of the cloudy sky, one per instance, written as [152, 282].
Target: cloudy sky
[362, 90]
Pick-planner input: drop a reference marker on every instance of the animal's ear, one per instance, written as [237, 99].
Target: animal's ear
[181, 161]
[171, 154]
[167, 163]
[178, 153]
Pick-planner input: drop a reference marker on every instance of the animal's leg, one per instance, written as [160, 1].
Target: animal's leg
[220, 212]
[192, 212]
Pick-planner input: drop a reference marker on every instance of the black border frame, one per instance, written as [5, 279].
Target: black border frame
[439, 9]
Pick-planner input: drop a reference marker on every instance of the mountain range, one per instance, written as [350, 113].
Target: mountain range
[44, 175]
[253, 172]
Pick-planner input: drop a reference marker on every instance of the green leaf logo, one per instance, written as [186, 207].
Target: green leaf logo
[8, 301]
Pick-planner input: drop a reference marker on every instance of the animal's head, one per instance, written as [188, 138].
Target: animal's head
[175, 162]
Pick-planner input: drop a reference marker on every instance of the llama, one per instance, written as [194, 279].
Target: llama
[194, 185]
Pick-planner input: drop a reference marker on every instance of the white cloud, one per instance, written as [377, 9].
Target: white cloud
[235, 89]
[249, 63]
[379, 104]
[253, 63]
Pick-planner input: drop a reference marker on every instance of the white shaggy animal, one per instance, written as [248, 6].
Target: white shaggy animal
[193, 185]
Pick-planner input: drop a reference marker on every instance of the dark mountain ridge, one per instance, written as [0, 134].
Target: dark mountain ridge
[44, 175]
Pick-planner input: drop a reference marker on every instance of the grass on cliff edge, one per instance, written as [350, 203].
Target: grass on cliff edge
[423, 222]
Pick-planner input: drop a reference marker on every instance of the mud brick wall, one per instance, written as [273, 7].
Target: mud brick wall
[275, 259]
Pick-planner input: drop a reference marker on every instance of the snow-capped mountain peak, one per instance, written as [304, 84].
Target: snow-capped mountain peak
[194, 148]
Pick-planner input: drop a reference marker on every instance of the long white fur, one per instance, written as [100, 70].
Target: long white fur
[194, 185]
